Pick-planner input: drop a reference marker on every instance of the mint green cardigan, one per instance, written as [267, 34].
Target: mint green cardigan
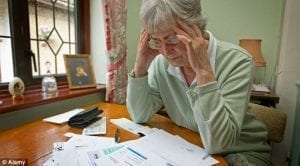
[217, 110]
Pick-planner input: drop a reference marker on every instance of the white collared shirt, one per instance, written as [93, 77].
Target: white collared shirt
[211, 51]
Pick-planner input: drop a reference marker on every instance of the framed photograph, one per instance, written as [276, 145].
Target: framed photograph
[79, 71]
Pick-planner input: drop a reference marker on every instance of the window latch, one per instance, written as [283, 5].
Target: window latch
[30, 54]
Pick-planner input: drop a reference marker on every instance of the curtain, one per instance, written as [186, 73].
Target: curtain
[115, 22]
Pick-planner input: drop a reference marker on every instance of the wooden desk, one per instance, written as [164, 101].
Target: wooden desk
[266, 99]
[34, 141]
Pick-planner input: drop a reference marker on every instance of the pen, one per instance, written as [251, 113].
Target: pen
[205, 157]
[117, 135]
[141, 134]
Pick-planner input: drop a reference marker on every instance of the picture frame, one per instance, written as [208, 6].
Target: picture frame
[79, 70]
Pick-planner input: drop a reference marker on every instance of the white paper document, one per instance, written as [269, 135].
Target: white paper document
[64, 154]
[63, 117]
[173, 149]
[131, 156]
[158, 148]
[130, 126]
[260, 88]
[93, 156]
[79, 150]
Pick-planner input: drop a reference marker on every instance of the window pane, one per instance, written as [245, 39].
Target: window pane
[32, 20]
[6, 65]
[62, 24]
[60, 60]
[4, 19]
[72, 23]
[54, 28]
[45, 55]
[6, 70]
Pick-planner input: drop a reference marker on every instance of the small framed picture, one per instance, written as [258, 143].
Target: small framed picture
[79, 71]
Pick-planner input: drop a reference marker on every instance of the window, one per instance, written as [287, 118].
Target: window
[6, 64]
[52, 34]
[33, 32]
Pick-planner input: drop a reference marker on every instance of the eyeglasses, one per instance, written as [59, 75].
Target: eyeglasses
[170, 41]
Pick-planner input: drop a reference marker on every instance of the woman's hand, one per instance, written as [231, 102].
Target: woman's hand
[145, 55]
[196, 47]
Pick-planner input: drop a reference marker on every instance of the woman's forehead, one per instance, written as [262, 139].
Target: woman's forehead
[163, 35]
[163, 32]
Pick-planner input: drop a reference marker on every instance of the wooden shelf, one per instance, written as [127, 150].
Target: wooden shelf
[36, 98]
[266, 99]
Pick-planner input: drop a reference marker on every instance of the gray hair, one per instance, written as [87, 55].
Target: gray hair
[158, 13]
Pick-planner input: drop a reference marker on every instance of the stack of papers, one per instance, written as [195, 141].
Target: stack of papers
[79, 150]
[260, 88]
[157, 148]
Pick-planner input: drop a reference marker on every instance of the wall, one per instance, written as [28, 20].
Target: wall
[133, 29]
[229, 20]
[296, 136]
[236, 19]
[98, 46]
[288, 74]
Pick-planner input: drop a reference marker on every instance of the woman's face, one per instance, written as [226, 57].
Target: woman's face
[170, 46]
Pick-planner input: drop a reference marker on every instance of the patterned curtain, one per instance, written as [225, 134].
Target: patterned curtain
[115, 19]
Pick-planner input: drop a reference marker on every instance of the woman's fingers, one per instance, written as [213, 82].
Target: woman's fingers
[144, 37]
[143, 46]
[189, 45]
[197, 30]
[184, 39]
[183, 28]
[180, 31]
[186, 28]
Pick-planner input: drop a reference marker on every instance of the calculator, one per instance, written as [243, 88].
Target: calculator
[96, 128]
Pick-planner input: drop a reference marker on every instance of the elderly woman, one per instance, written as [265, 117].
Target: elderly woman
[203, 83]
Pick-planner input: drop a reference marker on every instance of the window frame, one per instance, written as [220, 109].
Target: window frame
[19, 18]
